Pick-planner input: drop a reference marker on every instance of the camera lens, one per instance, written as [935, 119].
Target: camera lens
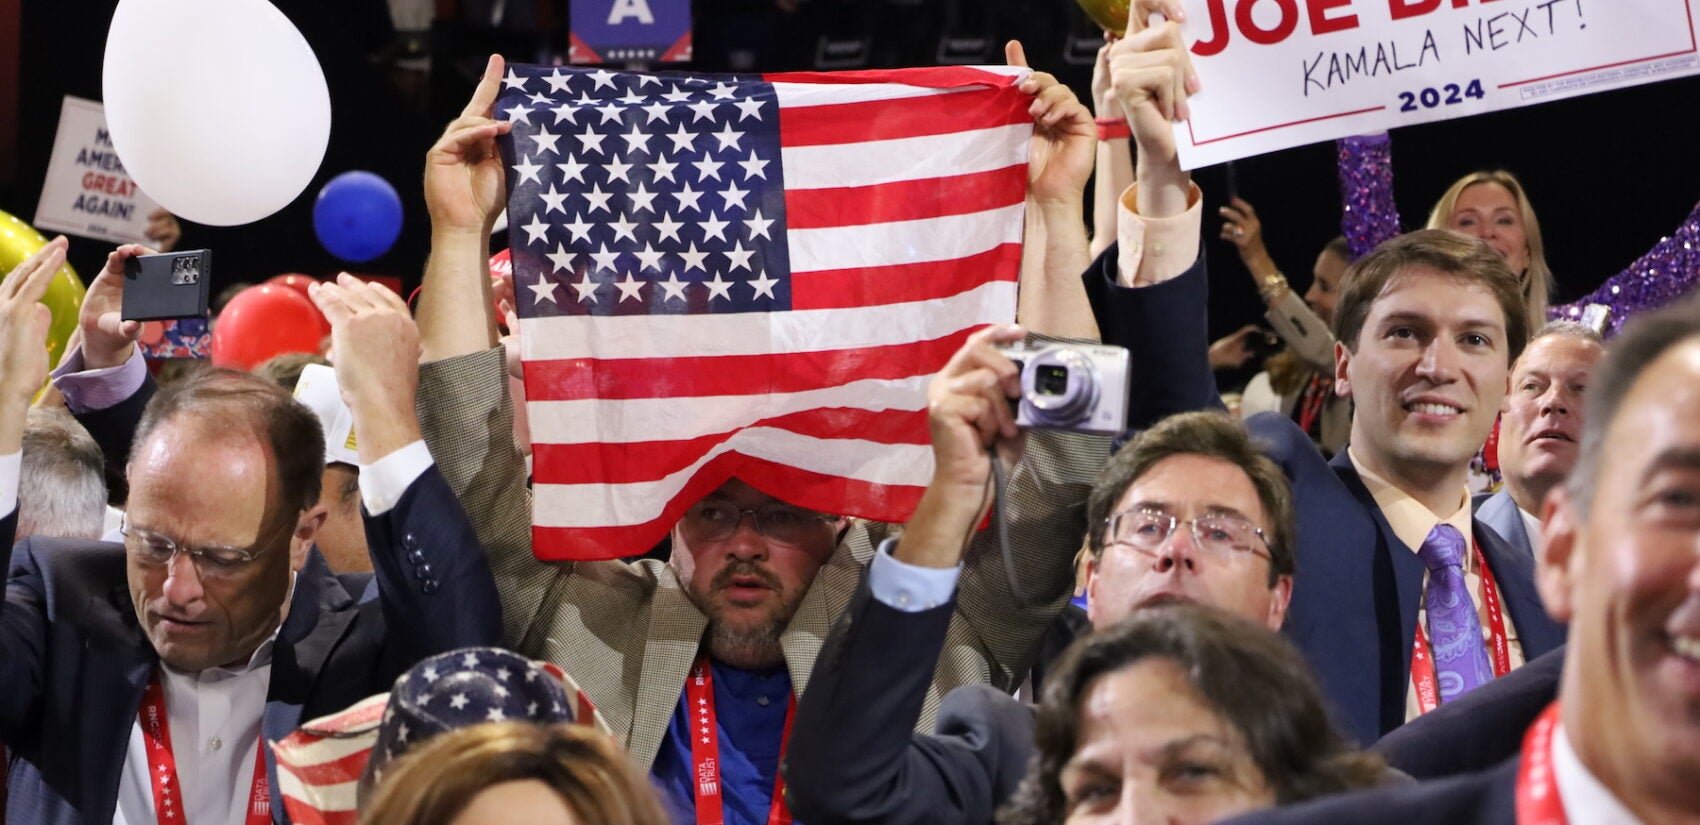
[1059, 387]
[1051, 380]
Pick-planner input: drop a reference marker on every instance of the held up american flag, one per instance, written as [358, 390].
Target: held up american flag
[751, 277]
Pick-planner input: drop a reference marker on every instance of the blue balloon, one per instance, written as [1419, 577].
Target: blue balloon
[357, 216]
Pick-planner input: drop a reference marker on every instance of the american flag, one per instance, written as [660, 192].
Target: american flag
[751, 277]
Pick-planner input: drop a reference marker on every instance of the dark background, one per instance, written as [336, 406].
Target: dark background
[1610, 174]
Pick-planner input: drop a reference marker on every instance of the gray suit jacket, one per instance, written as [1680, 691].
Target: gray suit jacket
[1500, 513]
[629, 632]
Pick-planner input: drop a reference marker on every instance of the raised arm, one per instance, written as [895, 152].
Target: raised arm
[465, 411]
[1149, 291]
[852, 757]
[1059, 161]
[465, 189]
[103, 379]
[23, 370]
[1297, 325]
[434, 584]
[1113, 171]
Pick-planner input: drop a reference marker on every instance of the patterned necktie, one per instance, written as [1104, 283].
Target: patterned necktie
[1455, 633]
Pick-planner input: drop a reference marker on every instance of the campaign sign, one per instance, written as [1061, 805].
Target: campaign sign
[87, 192]
[1282, 73]
[630, 31]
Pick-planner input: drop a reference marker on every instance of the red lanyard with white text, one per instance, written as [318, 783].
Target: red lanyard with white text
[1422, 659]
[162, 765]
[1315, 395]
[705, 751]
[1538, 802]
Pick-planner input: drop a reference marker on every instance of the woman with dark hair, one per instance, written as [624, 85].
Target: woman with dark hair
[1182, 714]
[515, 772]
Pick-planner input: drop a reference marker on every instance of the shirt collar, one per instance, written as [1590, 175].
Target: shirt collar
[1586, 801]
[1410, 519]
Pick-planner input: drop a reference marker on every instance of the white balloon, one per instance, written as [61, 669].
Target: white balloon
[218, 108]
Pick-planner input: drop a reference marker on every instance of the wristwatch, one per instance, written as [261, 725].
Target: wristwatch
[1274, 286]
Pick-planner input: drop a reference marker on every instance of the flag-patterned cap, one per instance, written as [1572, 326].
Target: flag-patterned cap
[467, 687]
[327, 766]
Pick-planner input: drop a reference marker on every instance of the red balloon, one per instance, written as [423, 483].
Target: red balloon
[264, 321]
[300, 283]
[295, 281]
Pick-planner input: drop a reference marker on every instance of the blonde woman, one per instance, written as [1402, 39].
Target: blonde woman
[515, 772]
[1492, 206]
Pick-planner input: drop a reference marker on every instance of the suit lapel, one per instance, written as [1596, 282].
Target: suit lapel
[320, 614]
[1407, 569]
[130, 665]
[675, 637]
[1514, 572]
[828, 598]
[1500, 513]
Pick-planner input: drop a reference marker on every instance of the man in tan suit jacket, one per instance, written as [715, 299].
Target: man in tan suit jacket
[630, 633]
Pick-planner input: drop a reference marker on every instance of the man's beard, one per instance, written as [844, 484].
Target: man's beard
[750, 646]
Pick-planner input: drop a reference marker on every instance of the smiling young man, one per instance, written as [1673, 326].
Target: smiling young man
[1404, 601]
[1622, 743]
[1541, 428]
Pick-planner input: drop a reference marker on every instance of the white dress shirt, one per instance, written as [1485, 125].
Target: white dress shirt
[1586, 801]
[1532, 528]
[906, 587]
[214, 717]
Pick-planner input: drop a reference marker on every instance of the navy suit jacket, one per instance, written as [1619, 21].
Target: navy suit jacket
[1486, 798]
[1358, 587]
[1479, 729]
[853, 758]
[74, 660]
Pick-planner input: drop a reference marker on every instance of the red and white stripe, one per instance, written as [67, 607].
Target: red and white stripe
[904, 208]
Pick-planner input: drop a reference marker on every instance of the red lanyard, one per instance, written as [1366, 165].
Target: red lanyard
[1311, 401]
[1422, 660]
[705, 751]
[1538, 802]
[162, 765]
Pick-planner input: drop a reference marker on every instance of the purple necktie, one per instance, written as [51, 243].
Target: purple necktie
[1455, 633]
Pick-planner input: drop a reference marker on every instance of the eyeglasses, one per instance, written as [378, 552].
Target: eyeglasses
[1221, 536]
[155, 550]
[717, 521]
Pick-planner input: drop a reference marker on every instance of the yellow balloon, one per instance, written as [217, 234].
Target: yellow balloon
[19, 240]
[1110, 15]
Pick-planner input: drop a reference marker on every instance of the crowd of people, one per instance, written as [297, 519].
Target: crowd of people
[1307, 608]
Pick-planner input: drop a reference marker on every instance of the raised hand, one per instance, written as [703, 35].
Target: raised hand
[969, 410]
[1152, 75]
[1060, 159]
[375, 348]
[465, 185]
[23, 338]
[107, 339]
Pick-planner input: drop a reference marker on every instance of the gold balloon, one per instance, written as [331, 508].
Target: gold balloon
[19, 240]
[1110, 15]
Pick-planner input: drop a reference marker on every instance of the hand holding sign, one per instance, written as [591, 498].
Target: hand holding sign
[1292, 72]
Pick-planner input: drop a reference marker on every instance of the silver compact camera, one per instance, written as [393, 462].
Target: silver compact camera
[1078, 387]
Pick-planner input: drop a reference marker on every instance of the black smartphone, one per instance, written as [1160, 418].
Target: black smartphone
[166, 286]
